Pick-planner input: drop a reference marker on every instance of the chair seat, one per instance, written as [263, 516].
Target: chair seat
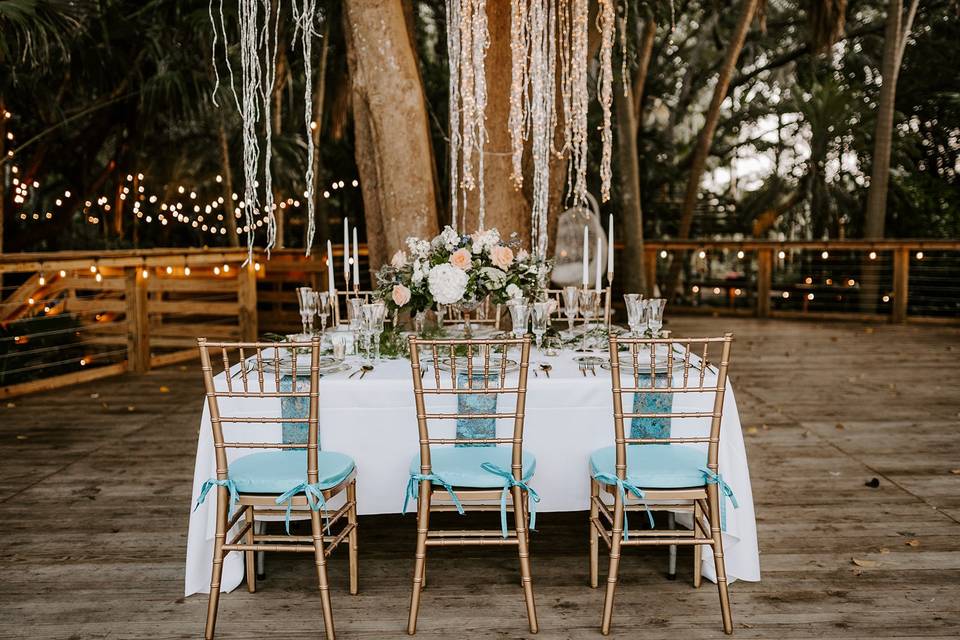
[655, 466]
[460, 466]
[277, 471]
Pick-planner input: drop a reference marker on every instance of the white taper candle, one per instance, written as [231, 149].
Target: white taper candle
[586, 256]
[610, 248]
[599, 260]
[356, 259]
[346, 249]
[330, 286]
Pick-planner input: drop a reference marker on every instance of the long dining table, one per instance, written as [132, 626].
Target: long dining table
[569, 414]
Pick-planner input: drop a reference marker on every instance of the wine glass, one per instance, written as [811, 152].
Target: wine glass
[634, 311]
[589, 301]
[571, 299]
[541, 320]
[655, 314]
[308, 308]
[322, 299]
[373, 316]
[519, 316]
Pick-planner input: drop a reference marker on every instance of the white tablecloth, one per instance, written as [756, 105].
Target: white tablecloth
[374, 421]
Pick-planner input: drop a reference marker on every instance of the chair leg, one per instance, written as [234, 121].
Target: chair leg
[217, 569]
[523, 544]
[249, 557]
[352, 538]
[615, 545]
[717, 546]
[320, 559]
[594, 534]
[697, 549]
[423, 524]
[260, 528]
[672, 562]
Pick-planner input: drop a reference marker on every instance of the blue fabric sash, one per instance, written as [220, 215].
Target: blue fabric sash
[314, 493]
[709, 477]
[414, 482]
[213, 482]
[508, 483]
[622, 487]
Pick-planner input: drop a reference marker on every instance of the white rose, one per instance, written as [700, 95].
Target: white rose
[447, 284]
[398, 260]
[514, 291]
[496, 277]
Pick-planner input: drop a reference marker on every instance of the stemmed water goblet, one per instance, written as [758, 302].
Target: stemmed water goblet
[571, 300]
[589, 301]
[654, 315]
[541, 320]
[373, 316]
[322, 301]
[308, 308]
[354, 315]
[635, 312]
[519, 316]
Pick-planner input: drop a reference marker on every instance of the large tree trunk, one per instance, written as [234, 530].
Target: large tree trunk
[897, 30]
[393, 149]
[507, 208]
[705, 139]
[629, 116]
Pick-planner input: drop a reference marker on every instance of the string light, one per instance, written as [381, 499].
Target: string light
[145, 274]
[716, 291]
[695, 289]
[702, 254]
[824, 255]
[740, 255]
[886, 298]
[169, 270]
[872, 255]
[782, 254]
[919, 255]
[809, 296]
[663, 254]
[186, 271]
[786, 295]
[216, 271]
[226, 268]
[98, 277]
[63, 274]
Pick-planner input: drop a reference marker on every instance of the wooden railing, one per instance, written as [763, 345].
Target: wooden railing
[70, 317]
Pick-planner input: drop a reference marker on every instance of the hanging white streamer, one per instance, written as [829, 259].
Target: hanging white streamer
[453, 55]
[517, 123]
[576, 101]
[250, 78]
[542, 76]
[269, 81]
[606, 22]
[304, 16]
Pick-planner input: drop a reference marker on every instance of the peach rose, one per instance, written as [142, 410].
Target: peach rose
[401, 295]
[461, 259]
[502, 256]
[399, 259]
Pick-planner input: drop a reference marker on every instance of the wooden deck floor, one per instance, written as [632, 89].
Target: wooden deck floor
[95, 482]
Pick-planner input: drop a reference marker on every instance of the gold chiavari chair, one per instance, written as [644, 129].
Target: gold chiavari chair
[470, 468]
[295, 474]
[675, 471]
[558, 317]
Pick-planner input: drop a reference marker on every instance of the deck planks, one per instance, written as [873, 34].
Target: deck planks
[95, 481]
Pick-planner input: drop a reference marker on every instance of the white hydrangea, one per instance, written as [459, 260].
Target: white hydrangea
[447, 284]
[418, 272]
[514, 291]
[496, 277]
[484, 240]
[448, 239]
[418, 248]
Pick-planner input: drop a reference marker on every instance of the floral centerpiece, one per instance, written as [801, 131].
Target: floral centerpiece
[454, 269]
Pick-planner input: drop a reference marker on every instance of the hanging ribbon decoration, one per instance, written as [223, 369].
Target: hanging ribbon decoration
[606, 22]
[304, 16]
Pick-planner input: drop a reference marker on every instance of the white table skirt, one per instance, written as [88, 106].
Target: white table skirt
[374, 421]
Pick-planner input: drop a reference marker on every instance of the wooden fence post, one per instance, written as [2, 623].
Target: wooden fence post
[138, 321]
[247, 299]
[901, 284]
[650, 271]
[764, 280]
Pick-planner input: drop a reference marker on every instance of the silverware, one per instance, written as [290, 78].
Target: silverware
[545, 367]
[593, 370]
[354, 373]
[365, 369]
[583, 370]
[423, 372]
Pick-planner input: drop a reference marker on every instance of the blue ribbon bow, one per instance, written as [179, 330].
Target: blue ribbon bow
[213, 482]
[508, 483]
[417, 478]
[709, 477]
[622, 487]
[314, 493]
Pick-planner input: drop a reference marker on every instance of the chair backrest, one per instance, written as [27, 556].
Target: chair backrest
[667, 367]
[463, 369]
[254, 374]
[558, 316]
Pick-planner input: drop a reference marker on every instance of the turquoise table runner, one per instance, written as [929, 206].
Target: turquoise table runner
[476, 428]
[298, 407]
[652, 403]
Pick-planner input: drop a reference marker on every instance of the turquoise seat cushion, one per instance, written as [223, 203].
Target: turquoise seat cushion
[278, 471]
[460, 466]
[655, 466]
